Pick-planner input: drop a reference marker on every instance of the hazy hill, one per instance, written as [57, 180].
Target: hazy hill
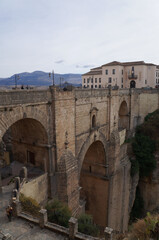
[39, 78]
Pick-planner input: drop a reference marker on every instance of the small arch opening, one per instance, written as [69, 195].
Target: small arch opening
[93, 121]
[123, 116]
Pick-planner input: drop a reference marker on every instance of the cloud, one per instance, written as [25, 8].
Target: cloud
[84, 66]
[59, 61]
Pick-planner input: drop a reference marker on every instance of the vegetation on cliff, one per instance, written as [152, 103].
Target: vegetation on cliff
[145, 229]
[144, 144]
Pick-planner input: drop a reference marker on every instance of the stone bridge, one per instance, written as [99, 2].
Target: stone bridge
[78, 138]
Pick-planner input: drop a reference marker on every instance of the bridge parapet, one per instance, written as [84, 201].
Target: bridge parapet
[15, 97]
[86, 93]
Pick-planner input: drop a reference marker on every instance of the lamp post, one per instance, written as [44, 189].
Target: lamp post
[53, 80]
[17, 77]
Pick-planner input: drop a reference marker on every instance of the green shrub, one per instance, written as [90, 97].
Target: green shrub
[147, 228]
[29, 205]
[144, 148]
[58, 213]
[86, 225]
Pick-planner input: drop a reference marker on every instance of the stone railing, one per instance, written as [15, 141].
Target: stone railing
[14, 97]
[42, 221]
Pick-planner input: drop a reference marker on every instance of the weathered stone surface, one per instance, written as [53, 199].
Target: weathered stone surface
[54, 130]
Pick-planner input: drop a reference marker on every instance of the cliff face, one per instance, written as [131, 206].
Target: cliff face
[149, 188]
[133, 185]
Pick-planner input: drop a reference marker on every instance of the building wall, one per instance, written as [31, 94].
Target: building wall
[92, 81]
[37, 189]
[116, 78]
[146, 75]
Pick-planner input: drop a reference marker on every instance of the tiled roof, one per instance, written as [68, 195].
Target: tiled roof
[93, 73]
[97, 68]
[112, 63]
[128, 63]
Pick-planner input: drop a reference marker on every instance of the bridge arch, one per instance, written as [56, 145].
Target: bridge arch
[10, 116]
[94, 136]
[123, 122]
[93, 179]
[26, 142]
[24, 136]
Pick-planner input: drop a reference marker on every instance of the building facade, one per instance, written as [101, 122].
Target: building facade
[122, 74]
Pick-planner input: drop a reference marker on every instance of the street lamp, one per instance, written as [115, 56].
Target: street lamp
[53, 80]
[17, 77]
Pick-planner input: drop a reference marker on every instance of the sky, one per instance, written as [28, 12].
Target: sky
[72, 36]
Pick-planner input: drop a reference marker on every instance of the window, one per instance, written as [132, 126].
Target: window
[87, 80]
[113, 71]
[88, 86]
[95, 86]
[122, 86]
[92, 80]
[93, 121]
[99, 80]
[84, 80]
[132, 69]
[95, 80]
[91, 86]
[106, 71]
[145, 81]
[156, 80]
[122, 80]
[99, 86]
[122, 71]
[84, 86]
[109, 80]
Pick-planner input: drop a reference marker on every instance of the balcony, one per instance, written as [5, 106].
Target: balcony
[132, 76]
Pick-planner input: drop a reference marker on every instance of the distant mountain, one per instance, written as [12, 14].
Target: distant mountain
[39, 78]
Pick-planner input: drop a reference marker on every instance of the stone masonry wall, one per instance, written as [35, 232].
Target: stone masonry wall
[37, 189]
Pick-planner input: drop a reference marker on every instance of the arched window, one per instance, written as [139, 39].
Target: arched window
[132, 84]
[93, 121]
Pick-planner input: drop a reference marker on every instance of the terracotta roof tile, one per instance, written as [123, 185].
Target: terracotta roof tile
[93, 73]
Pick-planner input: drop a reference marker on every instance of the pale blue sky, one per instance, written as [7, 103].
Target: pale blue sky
[71, 36]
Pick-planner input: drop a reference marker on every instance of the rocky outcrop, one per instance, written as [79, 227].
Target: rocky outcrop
[149, 188]
[133, 185]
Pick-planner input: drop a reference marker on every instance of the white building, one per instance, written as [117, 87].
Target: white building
[123, 74]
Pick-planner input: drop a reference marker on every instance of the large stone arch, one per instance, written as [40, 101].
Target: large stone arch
[28, 128]
[10, 116]
[94, 136]
[93, 179]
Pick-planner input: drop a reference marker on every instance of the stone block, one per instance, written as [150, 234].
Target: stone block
[17, 183]
[42, 217]
[16, 208]
[73, 227]
[108, 233]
